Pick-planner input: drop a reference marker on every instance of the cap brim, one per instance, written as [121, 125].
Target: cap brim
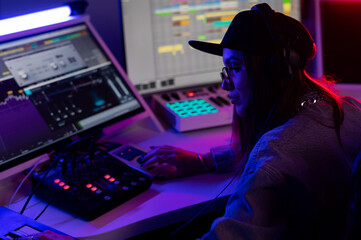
[212, 48]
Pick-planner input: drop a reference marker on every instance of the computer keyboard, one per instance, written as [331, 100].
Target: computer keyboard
[14, 225]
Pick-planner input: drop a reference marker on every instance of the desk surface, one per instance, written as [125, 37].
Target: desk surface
[164, 203]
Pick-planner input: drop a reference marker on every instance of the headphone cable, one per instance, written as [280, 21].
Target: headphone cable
[210, 203]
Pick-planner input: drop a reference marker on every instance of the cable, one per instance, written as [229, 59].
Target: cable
[211, 202]
[36, 187]
[62, 154]
[77, 141]
[27, 176]
[91, 150]
[47, 205]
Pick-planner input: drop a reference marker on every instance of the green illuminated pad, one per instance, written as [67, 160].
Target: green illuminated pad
[192, 107]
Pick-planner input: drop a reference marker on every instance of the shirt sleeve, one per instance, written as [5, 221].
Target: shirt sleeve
[224, 158]
[255, 211]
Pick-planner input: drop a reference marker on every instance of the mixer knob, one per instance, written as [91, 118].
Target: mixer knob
[54, 66]
[23, 75]
[114, 187]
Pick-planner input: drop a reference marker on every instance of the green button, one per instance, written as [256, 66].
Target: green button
[192, 107]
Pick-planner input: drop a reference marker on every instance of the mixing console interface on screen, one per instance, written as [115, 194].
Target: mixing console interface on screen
[54, 85]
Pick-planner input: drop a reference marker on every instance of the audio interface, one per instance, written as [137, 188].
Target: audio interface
[132, 155]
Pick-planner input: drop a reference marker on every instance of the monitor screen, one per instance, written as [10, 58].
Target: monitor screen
[156, 35]
[55, 85]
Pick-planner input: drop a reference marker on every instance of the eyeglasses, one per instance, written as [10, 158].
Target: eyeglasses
[227, 82]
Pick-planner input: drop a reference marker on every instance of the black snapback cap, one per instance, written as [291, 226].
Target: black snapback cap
[260, 31]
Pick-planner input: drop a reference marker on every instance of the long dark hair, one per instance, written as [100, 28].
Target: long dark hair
[274, 98]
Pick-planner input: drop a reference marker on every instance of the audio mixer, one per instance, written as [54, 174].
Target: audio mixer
[100, 183]
[193, 109]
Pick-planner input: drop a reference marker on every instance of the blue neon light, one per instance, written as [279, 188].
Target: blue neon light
[35, 20]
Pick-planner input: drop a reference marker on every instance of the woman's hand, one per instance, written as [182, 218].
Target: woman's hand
[167, 162]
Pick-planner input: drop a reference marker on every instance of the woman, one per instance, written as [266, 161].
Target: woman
[294, 139]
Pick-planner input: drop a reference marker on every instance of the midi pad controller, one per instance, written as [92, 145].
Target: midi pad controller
[192, 109]
[95, 189]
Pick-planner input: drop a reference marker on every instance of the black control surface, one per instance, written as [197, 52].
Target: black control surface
[100, 185]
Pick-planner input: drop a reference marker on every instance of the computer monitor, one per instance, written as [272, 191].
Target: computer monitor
[340, 32]
[57, 83]
[156, 35]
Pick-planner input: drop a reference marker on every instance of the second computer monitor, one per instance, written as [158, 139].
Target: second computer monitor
[156, 35]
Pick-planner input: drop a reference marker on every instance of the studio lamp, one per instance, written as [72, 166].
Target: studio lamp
[42, 18]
